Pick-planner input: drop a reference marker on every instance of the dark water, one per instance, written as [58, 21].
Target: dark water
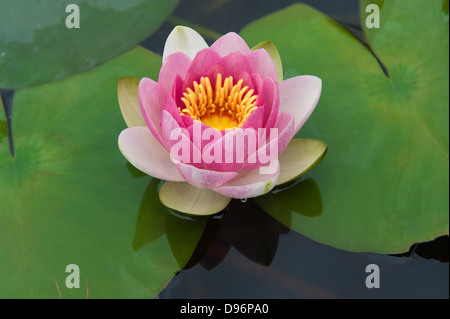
[224, 16]
[247, 254]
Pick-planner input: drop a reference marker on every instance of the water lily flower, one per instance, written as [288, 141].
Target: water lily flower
[219, 122]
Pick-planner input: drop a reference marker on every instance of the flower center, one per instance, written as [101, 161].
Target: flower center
[226, 107]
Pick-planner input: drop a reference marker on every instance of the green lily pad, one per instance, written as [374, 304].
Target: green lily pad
[37, 47]
[70, 197]
[384, 183]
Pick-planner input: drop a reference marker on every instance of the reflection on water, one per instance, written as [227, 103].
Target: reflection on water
[293, 266]
[155, 220]
[239, 253]
[244, 226]
[150, 223]
[298, 197]
[243, 252]
[134, 172]
[183, 235]
[242, 255]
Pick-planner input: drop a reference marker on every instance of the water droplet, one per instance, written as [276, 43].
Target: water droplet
[244, 200]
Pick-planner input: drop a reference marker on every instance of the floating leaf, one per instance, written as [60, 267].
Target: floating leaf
[68, 196]
[37, 47]
[384, 183]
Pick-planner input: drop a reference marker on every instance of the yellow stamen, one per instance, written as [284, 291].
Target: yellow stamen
[226, 107]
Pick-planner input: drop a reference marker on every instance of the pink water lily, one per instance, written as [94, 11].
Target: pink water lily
[219, 123]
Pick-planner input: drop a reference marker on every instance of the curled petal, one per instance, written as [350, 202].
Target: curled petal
[185, 40]
[272, 142]
[261, 63]
[299, 97]
[172, 109]
[285, 127]
[175, 65]
[269, 100]
[141, 149]
[203, 178]
[275, 56]
[234, 146]
[173, 134]
[253, 183]
[150, 106]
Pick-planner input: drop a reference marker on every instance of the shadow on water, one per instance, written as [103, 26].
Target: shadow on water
[246, 227]
[243, 252]
[155, 220]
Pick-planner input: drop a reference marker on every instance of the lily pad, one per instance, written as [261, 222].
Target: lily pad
[384, 183]
[37, 47]
[70, 197]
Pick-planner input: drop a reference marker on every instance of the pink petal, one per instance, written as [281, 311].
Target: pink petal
[172, 132]
[250, 184]
[203, 178]
[234, 62]
[261, 63]
[248, 80]
[204, 60]
[285, 126]
[179, 142]
[175, 65]
[299, 97]
[268, 98]
[188, 82]
[273, 142]
[230, 42]
[272, 102]
[255, 120]
[235, 146]
[150, 106]
[173, 110]
[258, 85]
[141, 149]
[187, 120]
[177, 91]
[185, 40]
[212, 72]
[196, 133]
